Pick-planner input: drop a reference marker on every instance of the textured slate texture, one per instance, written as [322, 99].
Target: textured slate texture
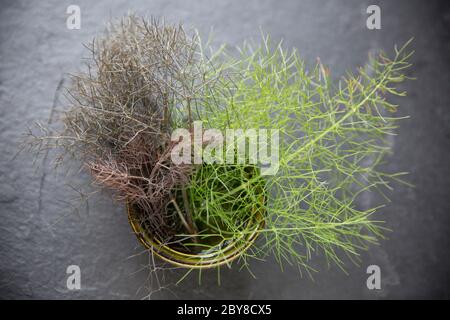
[40, 234]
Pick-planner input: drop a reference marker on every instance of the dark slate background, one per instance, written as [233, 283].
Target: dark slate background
[41, 234]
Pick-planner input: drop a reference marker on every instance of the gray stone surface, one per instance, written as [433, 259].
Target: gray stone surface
[41, 234]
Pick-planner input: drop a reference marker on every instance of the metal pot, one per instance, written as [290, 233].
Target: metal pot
[223, 253]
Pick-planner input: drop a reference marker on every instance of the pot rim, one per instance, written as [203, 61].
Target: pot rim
[212, 259]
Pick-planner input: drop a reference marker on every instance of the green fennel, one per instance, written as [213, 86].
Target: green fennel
[333, 140]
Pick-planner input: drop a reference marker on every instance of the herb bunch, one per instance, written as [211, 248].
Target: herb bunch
[145, 78]
[140, 81]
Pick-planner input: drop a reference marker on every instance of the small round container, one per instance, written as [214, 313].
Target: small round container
[223, 253]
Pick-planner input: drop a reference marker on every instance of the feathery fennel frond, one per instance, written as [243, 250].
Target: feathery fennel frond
[334, 137]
